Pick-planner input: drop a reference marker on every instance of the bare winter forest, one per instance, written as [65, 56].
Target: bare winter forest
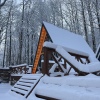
[20, 22]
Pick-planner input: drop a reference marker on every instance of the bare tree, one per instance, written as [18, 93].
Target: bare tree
[84, 20]
[6, 33]
[21, 35]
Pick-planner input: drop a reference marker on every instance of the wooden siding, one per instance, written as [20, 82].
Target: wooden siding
[39, 49]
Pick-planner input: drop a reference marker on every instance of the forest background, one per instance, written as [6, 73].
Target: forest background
[21, 20]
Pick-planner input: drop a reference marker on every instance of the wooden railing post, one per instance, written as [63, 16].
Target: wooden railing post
[46, 61]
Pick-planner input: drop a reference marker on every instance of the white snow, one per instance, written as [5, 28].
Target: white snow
[19, 65]
[4, 87]
[5, 68]
[31, 80]
[70, 87]
[81, 81]
[68, 39]
[91, 67]
[53, 68]
[91, 57]
[64, 88]
[54, 46]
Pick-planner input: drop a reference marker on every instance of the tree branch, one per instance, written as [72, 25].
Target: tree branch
[1, 4]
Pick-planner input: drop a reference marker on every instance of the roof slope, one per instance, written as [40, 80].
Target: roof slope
[68, 39]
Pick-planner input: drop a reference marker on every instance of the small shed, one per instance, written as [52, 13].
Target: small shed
[74, 43]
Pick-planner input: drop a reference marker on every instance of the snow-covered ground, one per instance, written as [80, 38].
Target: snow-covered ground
[4, 88]
[64, 88]
[71, 87]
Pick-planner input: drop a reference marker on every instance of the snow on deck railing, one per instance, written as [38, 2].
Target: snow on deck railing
[91, 58]
[19, 65]
[4, 68]
[91, 67]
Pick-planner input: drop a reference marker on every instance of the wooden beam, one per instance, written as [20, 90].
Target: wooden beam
[57, 61]
[39, 49]
[45, 97]
[46, 62]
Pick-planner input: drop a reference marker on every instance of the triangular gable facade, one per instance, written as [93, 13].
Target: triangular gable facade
[73, 42]
[42, 37]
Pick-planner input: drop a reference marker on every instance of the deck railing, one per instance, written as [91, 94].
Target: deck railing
[51, 54]
[13, 73]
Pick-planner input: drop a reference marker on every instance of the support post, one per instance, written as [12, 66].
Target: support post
[46, 61]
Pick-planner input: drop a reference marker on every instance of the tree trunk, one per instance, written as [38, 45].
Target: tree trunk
[5, 45]
[10, 41]
[91, 24]
[98, 13]
[32, 39]
[84, 21]
[21, 37]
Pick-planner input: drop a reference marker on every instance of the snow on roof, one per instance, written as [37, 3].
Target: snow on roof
[67, 39]
[92, 58]
[54, 46]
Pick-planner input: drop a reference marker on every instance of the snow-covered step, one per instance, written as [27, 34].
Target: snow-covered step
[28, 81]
[25, 85]
[21, 87]
[19, 90]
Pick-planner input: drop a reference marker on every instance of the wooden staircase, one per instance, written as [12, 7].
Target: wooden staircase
[25, 85]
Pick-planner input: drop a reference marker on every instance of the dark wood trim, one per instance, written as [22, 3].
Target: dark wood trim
[98, 52]
[50, 52]
[45, 97]
[76, 69]
[46, 62]
[57, 62]
[47, 32]
[33, 88]
[69, 70]
[82, 56]
[36, 49]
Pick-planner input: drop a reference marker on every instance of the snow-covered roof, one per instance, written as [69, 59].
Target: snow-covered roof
[67, 39]
[54, 46]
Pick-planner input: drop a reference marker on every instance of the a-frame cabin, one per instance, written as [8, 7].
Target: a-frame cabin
[43, 37]
[74, 43]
